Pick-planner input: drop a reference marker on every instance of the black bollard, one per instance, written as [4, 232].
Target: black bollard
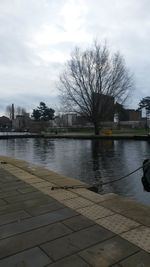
[146, 175]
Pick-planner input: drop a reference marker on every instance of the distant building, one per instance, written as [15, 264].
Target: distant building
[133, 115]
[57, 122]
[122, 114]
[5, 123]
[25, 123]
[82, 121]
[69, 119]
[130, 115]
[21, 122]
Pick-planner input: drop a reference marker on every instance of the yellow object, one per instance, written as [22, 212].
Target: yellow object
[108, 132]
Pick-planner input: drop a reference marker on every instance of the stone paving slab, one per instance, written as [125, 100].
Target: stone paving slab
[140, 259]
[32, 257]
[43, 184]
[12, 183]
[139, 214]
[139, 236]
[27, 190]
[11, 207]
[35, 222]
[45, 208]
[108, 252]
[19, 198]
[96, 198]
[76, 241]
[36, 201]
[78, 222]
[95, 212]
[117, 223]
[9, 188]
[60, 194]
[7, 177]
[72, 261]
[13, 217]
[10, 193]
[2, 202]
[78, 202]
[26, 240]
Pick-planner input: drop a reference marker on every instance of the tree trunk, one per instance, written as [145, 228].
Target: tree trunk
[96, 128]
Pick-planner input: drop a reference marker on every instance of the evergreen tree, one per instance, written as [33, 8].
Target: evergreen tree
[145, 103]
[43, 113]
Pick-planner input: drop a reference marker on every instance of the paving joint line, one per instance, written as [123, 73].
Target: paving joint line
[80, 250]
[134, 253]
[75, 231]
[30, 230]
[45, 254]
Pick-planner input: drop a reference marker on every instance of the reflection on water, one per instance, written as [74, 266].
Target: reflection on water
[92, 161]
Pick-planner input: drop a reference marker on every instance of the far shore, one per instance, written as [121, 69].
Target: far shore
[100, 136]
[133, 134]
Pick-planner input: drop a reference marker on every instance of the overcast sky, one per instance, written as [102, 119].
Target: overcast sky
[37, 37]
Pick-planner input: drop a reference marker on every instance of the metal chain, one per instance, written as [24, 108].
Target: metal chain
[99, 184]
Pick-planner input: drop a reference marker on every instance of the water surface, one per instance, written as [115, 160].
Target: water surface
[92, 161]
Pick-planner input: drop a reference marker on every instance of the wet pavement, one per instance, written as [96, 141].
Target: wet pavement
[75, 227]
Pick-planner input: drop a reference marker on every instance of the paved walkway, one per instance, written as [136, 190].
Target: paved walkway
[43, 227]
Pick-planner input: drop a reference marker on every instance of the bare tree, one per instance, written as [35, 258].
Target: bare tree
[20, 111]
[12, 111]
[93, 80]
[9, 112]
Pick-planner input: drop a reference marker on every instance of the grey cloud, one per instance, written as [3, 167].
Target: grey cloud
[29, 102]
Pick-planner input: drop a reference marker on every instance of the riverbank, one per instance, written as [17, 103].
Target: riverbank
[14, 135]
[38, 221]
[121, 136]
[77, 135]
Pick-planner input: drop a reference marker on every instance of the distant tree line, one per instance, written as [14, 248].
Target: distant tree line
[41, 113]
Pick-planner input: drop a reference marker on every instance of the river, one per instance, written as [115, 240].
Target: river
[92, 161]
